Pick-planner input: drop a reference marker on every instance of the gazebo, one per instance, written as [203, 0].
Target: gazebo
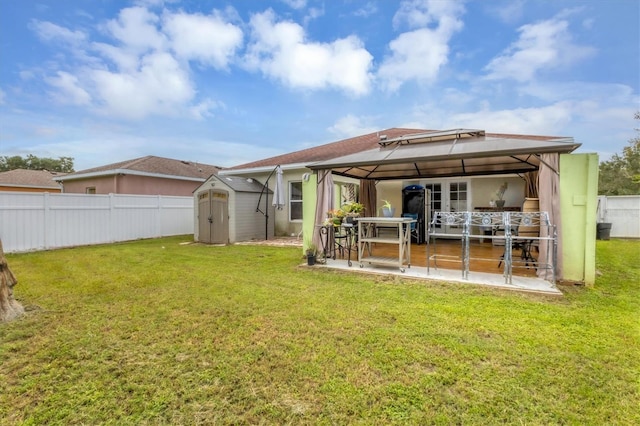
[564, 182]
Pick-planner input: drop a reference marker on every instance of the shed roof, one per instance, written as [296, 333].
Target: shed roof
[458, 152]
[30, 178]
[241, 184]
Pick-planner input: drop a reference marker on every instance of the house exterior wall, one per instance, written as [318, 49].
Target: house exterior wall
[132, 184]
[481, 191]
[310, 196]
[250, 224]
[283, 226]
[102, 184]
[578, 205]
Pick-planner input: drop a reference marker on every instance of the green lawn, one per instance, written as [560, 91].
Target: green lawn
[155, 332]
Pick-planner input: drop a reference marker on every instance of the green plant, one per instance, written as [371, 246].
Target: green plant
[386, 205]
[353, 208]
[310, 248]
[500, 192]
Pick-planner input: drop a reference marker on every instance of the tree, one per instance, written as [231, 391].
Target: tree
[31, 162]
[10, 308]
[621, 174]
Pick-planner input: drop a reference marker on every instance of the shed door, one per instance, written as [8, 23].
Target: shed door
[219, 217]
[213, 217]
[204, 217]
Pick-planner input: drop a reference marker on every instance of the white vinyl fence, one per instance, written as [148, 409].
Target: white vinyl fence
[40, 221]
[622, 212]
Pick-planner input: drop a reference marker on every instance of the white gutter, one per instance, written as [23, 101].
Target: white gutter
[13, 185]
[262, 169]
[127, 172]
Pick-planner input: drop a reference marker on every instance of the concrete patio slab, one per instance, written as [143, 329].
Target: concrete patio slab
[522, 284]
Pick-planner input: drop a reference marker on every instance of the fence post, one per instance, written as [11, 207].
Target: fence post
[47, 219]
[112, 218]
[159, 216]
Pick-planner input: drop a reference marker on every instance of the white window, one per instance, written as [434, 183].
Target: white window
[295, 201]
[90, 190]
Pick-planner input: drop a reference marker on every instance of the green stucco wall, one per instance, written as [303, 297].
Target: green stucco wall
[309, 196]
[578, 204]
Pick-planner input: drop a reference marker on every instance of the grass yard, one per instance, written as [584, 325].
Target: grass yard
[154, 332]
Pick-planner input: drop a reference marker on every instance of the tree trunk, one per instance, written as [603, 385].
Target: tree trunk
[9, 308]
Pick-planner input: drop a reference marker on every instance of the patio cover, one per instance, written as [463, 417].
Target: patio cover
[459, 152]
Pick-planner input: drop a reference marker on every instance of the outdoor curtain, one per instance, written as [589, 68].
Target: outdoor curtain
[324, 203]
[549, 198]
[368, 197]
[531, 184]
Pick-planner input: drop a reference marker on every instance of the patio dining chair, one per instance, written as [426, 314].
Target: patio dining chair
[524, 233]
[414, 226]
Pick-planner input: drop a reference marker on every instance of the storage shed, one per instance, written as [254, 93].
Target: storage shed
[231, 209]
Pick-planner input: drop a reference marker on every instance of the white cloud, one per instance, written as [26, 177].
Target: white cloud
[51, 32]
[508, 11]
[543, 45]
[160, 86]
[141, 67]
[370, 8]
[546, 120]
[350, 125]
[423, 13]
[69, 89]
[296, 4]
[420, 54]
[280, 50]
[136, 28]
[208, 39]
[313, 13]
[204, 108]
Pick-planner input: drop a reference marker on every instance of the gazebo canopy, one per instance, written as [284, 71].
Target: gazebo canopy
[459, 152]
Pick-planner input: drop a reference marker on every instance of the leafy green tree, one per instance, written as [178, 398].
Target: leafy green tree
[621, 174]
[31, 162]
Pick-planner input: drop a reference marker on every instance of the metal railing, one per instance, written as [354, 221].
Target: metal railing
[518, 230]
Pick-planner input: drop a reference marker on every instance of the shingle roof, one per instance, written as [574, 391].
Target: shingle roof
[330, 150]
[154, 165]
[354, 145]
[30, 178]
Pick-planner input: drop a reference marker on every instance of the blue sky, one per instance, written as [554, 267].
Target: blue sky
[226, 83]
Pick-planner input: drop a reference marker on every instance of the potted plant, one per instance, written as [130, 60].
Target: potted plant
[311, 254]
[336, 216]
[352, 210]
[387, 210]
[500, 194]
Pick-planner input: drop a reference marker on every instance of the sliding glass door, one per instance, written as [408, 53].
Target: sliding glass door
[449, 196]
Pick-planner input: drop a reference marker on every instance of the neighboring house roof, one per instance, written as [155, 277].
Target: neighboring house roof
[457, 152]
[327, 151]
[22, 178]
[150, 166]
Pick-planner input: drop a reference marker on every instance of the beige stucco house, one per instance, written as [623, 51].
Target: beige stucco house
[22, 180]
[148, 175]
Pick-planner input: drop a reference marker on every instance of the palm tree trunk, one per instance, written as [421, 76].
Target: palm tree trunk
[10, 308]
